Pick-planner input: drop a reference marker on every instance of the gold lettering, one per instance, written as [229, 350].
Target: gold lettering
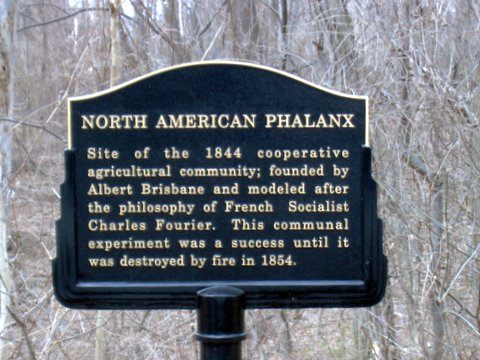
[114, 122]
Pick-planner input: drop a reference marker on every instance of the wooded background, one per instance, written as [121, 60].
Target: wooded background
[417, 60]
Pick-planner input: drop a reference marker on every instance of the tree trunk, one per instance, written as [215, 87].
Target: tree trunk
[115, 76]
[115, 47]
[245, 28]
[7, 25]
[284, 31]
[174, 30]
[437, 306]
[100, 343]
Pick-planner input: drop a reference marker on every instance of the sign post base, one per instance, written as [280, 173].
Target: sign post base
[220, 322]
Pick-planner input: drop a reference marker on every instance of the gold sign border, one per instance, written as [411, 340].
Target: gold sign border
[213, 62]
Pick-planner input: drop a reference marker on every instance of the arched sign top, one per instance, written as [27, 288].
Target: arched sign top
[216, 62]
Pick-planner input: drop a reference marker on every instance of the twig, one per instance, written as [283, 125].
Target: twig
[20, 122]
[23, 327]
[460, 271]
[61, 18]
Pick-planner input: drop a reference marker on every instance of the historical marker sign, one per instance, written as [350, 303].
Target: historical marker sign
[218, 174]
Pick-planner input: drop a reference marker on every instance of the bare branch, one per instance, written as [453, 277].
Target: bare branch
[23, 123]
[23, 327]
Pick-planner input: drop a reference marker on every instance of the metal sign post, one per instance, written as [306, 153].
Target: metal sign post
[220, 323]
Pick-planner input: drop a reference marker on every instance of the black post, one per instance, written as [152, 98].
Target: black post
[220, 322]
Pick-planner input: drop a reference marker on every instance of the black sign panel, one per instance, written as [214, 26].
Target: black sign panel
[218, 173]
